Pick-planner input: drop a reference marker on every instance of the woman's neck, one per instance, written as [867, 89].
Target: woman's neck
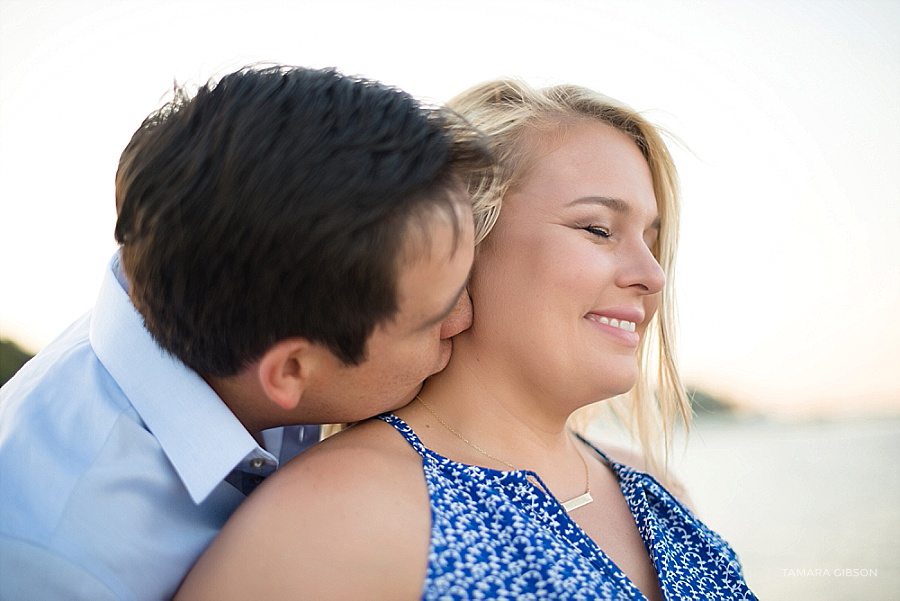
[474, 413]
[483, 403]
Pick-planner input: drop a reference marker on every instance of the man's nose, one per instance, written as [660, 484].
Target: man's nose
[460, 317]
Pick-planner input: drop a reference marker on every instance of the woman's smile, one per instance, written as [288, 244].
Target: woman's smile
[620, 330]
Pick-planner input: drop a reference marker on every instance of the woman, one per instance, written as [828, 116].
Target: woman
[570, 307]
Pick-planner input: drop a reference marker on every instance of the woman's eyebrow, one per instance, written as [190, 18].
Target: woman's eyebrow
[616, 204]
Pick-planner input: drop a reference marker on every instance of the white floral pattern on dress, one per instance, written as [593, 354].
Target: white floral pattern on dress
[497, 535]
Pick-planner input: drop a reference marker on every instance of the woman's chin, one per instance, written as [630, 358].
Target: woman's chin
[615, 386]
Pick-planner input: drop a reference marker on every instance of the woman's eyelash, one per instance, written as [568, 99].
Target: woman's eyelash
[602, 232]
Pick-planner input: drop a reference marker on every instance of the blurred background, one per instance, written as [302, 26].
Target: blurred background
[788, 117]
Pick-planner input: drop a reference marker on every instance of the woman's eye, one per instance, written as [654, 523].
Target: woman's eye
[597, 231]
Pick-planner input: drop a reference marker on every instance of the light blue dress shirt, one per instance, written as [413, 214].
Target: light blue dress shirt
[113, 463]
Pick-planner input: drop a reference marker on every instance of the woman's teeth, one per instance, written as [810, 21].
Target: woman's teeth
[622, 324]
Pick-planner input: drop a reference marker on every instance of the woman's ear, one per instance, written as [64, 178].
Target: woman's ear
[284, 371]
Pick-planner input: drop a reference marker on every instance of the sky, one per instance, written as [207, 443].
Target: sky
[786, 115]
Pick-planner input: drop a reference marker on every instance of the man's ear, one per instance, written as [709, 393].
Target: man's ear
[284, 371]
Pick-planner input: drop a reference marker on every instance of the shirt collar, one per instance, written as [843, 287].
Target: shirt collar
[201, 437]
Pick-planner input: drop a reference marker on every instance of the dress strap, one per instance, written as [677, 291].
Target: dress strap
[601, 455]
[403, 428]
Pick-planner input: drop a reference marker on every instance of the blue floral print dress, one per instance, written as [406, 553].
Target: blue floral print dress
[496, 535]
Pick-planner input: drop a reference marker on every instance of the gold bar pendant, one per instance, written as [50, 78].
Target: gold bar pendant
[579, 501]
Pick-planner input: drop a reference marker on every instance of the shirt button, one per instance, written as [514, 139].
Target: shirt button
[257, 463]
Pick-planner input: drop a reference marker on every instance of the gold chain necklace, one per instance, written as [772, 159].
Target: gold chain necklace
[570, 505]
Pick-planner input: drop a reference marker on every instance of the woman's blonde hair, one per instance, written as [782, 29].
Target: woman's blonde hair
[513, 114]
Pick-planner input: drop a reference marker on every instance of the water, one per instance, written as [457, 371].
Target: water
[812, 508]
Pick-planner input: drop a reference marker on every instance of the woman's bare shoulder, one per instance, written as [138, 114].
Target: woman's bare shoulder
[370, 458]
[330, 525]
[369, 445]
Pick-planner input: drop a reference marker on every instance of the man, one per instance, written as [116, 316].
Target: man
[294, 250]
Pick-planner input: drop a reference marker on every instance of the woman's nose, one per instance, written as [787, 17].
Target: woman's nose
[643, 271]
[460, 317]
